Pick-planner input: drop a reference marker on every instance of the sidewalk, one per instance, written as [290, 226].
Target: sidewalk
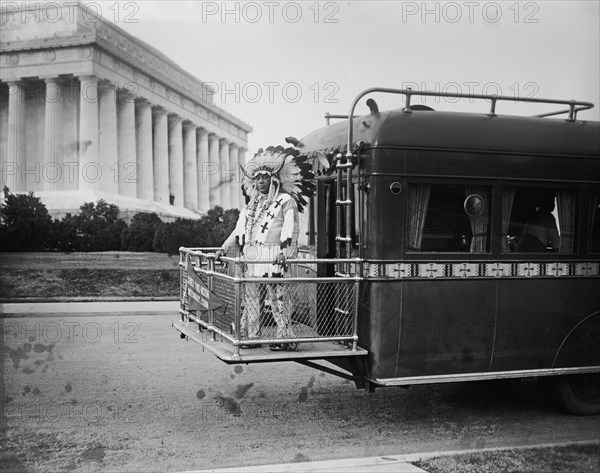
[387, 464]
[74, 309]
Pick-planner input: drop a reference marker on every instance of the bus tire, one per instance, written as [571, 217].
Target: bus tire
[580, 393]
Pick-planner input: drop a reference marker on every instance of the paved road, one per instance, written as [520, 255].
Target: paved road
[124, 393]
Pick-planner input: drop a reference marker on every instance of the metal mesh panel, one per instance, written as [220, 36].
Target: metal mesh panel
[279, 308]
[224, 316]
[297, 310]
[225, 291]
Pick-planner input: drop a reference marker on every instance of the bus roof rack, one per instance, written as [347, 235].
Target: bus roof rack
[574, 105]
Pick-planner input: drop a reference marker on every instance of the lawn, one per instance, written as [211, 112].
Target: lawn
[560, 459]
[116, 275]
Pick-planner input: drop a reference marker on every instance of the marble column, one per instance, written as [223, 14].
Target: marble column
[90, 171]
[202, 164]
[242, 161]
[52, 170]
[144, 168]
[225, 183]
[212, 169]
[69, 134]
[161, 155]
[108, 149]
[15, 142]
[190, 170]
[234, 174]
[176, 160]
[126, 139]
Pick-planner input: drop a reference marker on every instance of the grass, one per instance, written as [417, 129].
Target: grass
[88, 283]
[58, 276]
[559, 459]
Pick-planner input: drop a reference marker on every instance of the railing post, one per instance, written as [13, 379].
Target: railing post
[356, 303]
[238, 274]
[493, 106]
[181, 270]
[211, 315]
[572, 111]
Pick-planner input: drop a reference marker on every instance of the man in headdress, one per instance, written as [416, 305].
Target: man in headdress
[275, 184]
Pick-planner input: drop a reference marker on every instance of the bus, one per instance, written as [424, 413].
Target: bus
[440, 247]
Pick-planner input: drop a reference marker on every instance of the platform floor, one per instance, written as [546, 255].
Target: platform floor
[224, 349]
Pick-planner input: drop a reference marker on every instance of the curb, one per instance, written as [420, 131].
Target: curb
[32, 300]
[387, 463]
[87, 309]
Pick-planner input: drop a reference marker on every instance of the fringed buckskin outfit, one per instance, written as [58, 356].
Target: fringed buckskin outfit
[267, 227]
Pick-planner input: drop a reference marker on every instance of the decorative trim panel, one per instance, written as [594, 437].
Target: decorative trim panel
[466, 270]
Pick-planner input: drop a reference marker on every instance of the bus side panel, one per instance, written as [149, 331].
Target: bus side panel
[445, 327]
[535, 316]
[582, 346]
[385, 234]
[383, 327]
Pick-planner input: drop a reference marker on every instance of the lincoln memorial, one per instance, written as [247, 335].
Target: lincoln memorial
[89, 112]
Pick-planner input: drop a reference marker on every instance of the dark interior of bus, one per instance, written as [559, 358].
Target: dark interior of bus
[595, 218]
[439, 222]
[447, 227]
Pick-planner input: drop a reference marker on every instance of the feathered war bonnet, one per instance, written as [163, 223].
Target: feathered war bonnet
[290, 173]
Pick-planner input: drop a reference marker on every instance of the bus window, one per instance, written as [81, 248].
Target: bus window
[595, 221]
[442, 218]
[536, 220]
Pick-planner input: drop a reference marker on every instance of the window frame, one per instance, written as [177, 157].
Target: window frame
[578, 224]
[465, 184]
[592, 215]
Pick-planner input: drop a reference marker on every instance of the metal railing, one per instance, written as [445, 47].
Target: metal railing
[218, 296]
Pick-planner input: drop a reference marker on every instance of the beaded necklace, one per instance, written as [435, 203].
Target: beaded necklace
[254, 214]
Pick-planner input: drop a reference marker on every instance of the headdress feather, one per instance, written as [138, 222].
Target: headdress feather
[290, 170]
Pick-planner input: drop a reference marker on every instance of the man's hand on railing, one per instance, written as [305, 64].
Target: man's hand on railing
[219, 254]
[280, 260]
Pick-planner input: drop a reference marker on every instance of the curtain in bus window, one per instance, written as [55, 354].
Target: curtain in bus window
[595, 224]
[508, 198]
[418, 201]
[566, 220]
[595, 203]
[480, 223]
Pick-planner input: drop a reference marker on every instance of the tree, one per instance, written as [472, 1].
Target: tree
[25, 224]
[98, 227]
[210, 231]
[216, 226]
[170, 236]
[64, 235]
[139, 235]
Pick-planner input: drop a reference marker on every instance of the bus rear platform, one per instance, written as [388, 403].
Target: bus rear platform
[225, 349]
[215, 298]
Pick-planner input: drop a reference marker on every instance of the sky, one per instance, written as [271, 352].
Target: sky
[280, 66]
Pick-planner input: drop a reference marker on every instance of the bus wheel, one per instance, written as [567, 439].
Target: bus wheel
[580, 393]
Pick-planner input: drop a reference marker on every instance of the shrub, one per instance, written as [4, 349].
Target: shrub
[170, 236]
[63, 234]
[97, 227]
[139, 235]
[25, 224]
[216, 226]
[210, 230]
